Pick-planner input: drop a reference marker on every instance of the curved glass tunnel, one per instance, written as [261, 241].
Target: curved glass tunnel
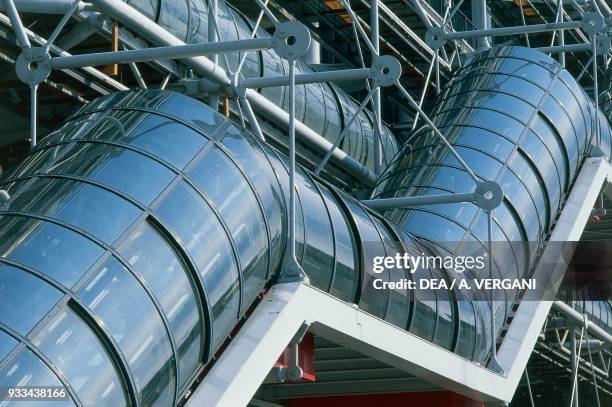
[323, 107]
[139, 233]
[515, 116]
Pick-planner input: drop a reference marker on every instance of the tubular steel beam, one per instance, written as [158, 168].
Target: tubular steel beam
[577, 318]
[300, 79]
[45, 6]
[168, 52]
[494, 32]
[81, 31]
[13, 15]
[556, 49]
[406, 202]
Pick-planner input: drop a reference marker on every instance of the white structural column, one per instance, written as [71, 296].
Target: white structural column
[481, 18]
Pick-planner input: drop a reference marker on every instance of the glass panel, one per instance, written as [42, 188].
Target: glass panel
[280, 165]
[250, 68]
[466, 338]
[117, 298]
[346, 276]
[160, 266]
[75, 203]
[319, 254]
[76, 352]
[198, 21]
[332, 114]
[24, 298]
[158, 135]
[146, 7]
[371, 300]
[173, 17]
[194, 222]
[398, 305]
[26, 369]
[7, 343]
[272, 66]
[49, 248]
[255, 162]
[522, 203]
[234, 199]
[315, 113]
[133, 174]
[227, 32]
[521, 168]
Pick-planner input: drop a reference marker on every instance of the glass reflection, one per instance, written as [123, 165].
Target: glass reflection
[137, 327]
[82, 359]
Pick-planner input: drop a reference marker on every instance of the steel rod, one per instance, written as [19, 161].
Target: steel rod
[374, 33]
[362, 32]
[596, 88]
[493, 363]
[565, 48]
[575, 364]
[588, 342]
[524, 24]
[495, 32]
[266, 10]
[436, 131]
[60, 26]
[13, 15]
[253, 123]
[253, 34]
[424, 92]
[344, 132]
[452, 13]
[529, 392]
[137, 75]
[169, 52]
[407, 202]
[292, 214]
[561, 34]
[304, 78]
[33, 115]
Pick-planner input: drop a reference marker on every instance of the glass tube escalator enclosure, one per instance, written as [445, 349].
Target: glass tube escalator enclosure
[515, 116]
[139, 233]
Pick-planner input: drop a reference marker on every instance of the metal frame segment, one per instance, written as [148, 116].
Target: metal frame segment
[530, 316]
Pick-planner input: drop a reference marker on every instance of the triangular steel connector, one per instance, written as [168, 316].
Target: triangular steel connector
[292, 272]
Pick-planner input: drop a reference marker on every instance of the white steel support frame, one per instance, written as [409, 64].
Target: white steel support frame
[243, 366]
